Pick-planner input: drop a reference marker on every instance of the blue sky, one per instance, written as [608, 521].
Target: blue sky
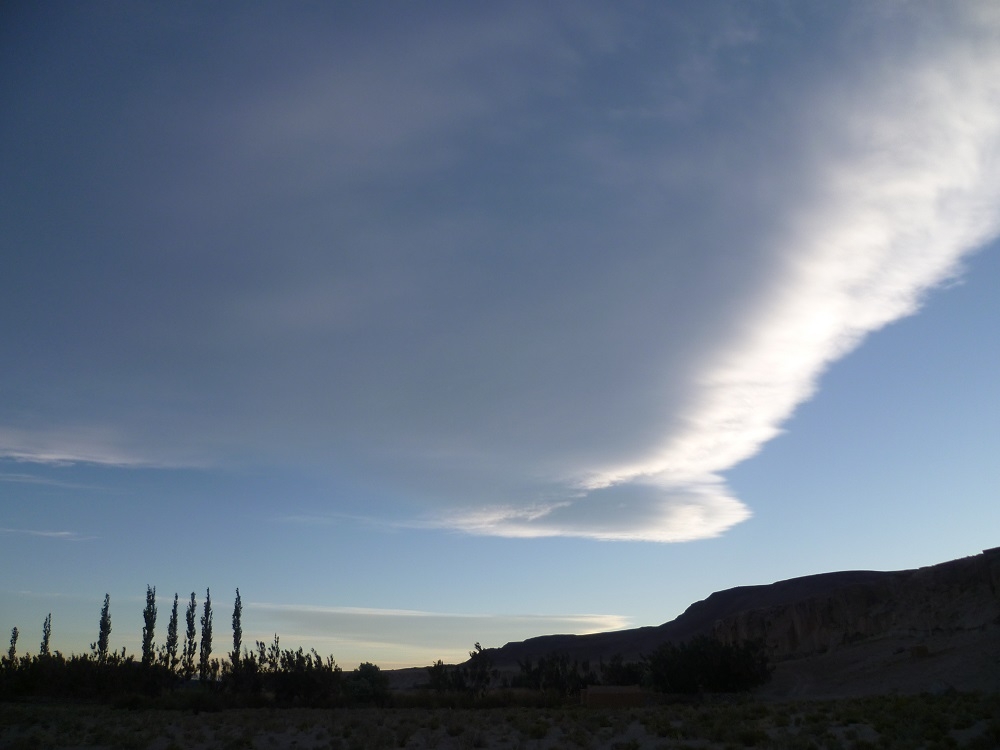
[427, 324]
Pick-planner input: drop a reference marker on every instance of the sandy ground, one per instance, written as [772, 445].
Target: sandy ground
[913, 722]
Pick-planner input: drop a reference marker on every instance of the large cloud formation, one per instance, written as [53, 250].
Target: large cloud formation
[903, 181]
[538, 273]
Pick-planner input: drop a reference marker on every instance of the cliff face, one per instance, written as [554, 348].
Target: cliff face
[909, 606]
[850, 632]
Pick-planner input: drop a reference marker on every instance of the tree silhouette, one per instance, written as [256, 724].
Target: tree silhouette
[190, 645]
[101, 647]
[479, 670]
[619, 672]
[12, 652]
[204, 661]
[149, 620]
[268, 656]
[170, 647]
[237, 631]
[437, 677]
[706, 664]
[43, 649]
[268, 676]
[368, 683]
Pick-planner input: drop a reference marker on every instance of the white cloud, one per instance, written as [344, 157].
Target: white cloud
[621, 511]
[905, 182]
[530, 276]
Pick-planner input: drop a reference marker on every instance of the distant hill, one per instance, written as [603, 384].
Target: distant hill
[850, 632]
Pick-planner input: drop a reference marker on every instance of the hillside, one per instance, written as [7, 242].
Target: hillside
[838, 633]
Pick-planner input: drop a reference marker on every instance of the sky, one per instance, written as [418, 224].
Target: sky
[428, 324]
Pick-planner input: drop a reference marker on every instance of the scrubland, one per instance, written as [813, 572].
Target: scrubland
[954, 720]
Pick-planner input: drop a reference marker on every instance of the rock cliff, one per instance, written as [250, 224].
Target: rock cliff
[845, 633]
[910, 606]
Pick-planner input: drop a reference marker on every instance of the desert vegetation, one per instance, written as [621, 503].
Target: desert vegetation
[267, 675]
[916, 722]
[167, 676]
[695, 695]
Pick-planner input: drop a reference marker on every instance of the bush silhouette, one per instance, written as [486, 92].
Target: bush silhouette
[705, 664]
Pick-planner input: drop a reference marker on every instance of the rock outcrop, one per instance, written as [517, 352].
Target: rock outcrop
[847, 631]
[907, 606]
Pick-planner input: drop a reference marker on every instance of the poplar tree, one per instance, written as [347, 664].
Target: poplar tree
[149, 620]
[190, 646]
[13, 645]
[101, 647]
[43, 649]
[170, 647]
[237, 631]
[204, 666]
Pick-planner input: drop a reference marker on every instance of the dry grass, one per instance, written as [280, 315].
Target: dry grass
[911, 722]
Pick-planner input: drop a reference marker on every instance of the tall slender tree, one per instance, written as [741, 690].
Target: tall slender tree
[12, 652]
[190, 644]
[170, 647]
[237, 631]
[205, 656]
[43, 649]
[104, 634]
[149, 623]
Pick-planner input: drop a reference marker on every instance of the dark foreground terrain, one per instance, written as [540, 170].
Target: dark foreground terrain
[911, 722]
[857, 659]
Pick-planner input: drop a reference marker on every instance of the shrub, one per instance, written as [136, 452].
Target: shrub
[708, 665]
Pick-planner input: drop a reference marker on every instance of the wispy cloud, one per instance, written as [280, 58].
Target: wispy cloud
[430, 635]
[591, 623]
[64, 446]
[72, 536]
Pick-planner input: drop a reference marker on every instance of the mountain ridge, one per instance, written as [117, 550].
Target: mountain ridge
[911, 629]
